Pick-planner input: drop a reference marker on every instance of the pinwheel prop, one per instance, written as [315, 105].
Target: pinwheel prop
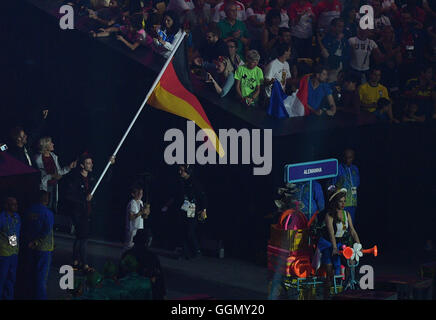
[357, 247]
[356, 252]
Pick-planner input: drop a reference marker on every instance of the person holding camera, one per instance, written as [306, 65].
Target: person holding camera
[222, 77]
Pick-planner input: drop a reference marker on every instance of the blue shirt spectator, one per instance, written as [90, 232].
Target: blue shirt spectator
[316, 96]
[303, 196]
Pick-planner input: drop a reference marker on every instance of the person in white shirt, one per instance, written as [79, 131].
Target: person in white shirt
[182, 7]
[380, 20]
[135, 214]
[278, 69]
[220, 13]
[361, 50]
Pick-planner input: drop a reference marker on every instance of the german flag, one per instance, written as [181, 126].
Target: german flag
[174, 94]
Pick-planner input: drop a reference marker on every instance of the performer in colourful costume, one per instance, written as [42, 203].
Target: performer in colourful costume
[336, 230]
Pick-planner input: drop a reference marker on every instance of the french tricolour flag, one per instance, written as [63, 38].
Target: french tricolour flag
[295, 105]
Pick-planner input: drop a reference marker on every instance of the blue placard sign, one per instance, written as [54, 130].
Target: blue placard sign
[308, 171]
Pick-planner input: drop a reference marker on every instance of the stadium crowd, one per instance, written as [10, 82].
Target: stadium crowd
[242, 48]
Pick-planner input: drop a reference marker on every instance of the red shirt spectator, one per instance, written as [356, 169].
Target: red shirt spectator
[416, 12]
[50, 168]
[300, 15]
[326, 11]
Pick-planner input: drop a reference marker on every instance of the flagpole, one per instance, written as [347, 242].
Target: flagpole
[140, 109]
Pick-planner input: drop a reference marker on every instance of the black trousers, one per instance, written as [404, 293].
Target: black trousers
[81, 221]
[190, 241]
[79, 250]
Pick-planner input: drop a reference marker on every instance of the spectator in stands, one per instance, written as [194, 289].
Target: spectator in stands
[389, 7]
[345, 94]
[51, 172]
[318, 90]
[221, 11]
[183, 8]
[391, 62]
[302, 16]
[326, 11]
[148, 265]
[334, 49]
[422, 90]
[278, 69]
[39, 233]
[132, 34]
[371, 91]
[411, 40]
[256, 15]
[417, 14]
[409, 114]
[430, 51]
[168, 34]
[198, 19]
[284, 38]
[107, 16]
[270, 34]
[429, 7]
[350, 21]
[21, 145]
[280, 5]
[212, 47]
[231, 28]
[361, 50]
[234, 57]
[384, 110]
[10, 227]
[223, 73]
[380, 20]
[249, 78]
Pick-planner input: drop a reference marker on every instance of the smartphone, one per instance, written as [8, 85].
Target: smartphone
[3, 147]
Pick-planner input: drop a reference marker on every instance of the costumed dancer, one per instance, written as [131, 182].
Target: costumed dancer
[336, 230]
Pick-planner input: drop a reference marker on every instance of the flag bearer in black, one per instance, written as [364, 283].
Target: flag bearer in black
[79, 198]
